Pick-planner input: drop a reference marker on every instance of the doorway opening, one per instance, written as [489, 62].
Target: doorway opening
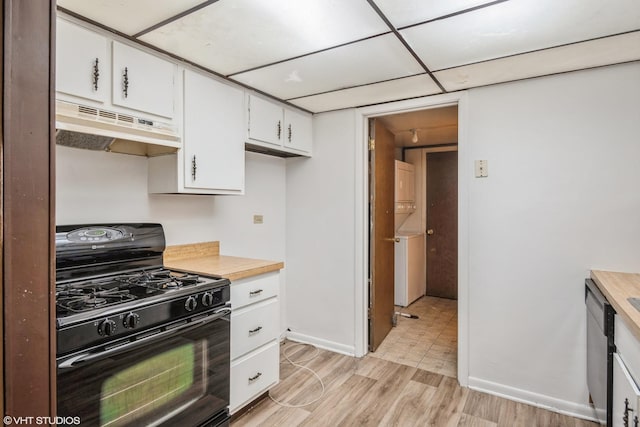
[413, 306]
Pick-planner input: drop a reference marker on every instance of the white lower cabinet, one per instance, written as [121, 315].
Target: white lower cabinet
[626, 396]
[255, 320]
[253, 374]
[626, 377]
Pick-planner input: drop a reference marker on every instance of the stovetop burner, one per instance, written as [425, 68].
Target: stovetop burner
[88, 295]
[75, 299]
[159, 279]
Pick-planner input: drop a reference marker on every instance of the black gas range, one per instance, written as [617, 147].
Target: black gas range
[137, 344]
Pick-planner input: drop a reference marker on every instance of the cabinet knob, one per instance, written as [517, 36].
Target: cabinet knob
[430, 232]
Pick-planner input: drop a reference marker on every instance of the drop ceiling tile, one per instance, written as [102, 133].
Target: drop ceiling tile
[128, 16]
[518, 26]
[408, 12]
[230, 36]
[368, 61]
[393, 90]
[594, 53]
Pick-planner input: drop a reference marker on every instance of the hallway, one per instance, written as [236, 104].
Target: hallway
[430, 342]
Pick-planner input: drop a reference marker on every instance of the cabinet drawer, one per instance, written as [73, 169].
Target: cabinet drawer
[628, 346]
[254, 289]
[252, 375]
[253, 327]
[626, 395]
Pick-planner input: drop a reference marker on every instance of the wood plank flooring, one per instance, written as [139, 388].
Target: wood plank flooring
[371, 391]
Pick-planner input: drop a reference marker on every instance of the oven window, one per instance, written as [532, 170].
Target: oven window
[165, 383]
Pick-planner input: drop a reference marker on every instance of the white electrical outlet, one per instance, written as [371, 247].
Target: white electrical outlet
[482, 168]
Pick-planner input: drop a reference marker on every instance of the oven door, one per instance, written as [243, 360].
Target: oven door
[177, 375]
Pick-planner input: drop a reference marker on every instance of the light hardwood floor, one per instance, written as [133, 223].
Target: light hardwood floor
[371, 391]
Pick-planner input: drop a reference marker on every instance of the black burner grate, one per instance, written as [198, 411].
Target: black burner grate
[89, 295]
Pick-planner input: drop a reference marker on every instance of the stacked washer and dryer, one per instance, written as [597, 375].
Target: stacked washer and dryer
[410, 261]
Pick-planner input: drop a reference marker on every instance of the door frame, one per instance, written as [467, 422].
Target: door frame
[362, 217]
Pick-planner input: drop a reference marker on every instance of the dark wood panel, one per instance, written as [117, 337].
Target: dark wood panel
[442, 224]
[28, 207]
[382, 178]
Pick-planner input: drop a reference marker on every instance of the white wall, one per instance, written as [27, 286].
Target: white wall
[561, 198]
[320, 236]
[96, 186]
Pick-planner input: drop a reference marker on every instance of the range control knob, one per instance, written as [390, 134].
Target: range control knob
[107, 327]
[191, 304]
[131, 320]
[207, 299]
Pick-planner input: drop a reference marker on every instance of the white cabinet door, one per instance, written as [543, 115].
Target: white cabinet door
[81, 62]
[213, 134]
[298, 131]
[626, 396]
[265, 121]
[142, 81]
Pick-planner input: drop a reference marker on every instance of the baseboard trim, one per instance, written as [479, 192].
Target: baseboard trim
[530, 398]
[320, 343]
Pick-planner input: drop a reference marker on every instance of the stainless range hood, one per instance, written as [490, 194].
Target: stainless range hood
[92, 128]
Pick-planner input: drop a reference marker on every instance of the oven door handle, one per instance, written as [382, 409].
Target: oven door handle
[87, 357]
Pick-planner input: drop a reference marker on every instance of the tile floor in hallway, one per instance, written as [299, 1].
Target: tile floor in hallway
[429, 342]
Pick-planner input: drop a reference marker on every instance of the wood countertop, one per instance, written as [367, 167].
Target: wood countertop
[617, 287]
[204, 258]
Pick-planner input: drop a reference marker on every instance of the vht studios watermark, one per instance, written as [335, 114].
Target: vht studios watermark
[41, 421]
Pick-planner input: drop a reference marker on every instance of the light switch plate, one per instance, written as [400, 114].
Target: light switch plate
[258, 219]
[482, 170]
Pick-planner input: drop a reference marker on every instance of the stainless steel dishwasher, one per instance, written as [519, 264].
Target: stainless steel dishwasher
[600, 349]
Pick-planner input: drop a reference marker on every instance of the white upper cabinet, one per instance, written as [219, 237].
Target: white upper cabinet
[142, 81]
[265, 121]
[212, 158]
[82, 62]
[213, 134]
[278, 128]
[298, 131]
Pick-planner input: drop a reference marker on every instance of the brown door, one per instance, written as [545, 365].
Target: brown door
[442, 224]
[382, 233]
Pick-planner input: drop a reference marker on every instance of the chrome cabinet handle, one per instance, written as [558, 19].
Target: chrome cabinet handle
[96, 74]
[254, 293]
[255, 377]
[194, 167]
[289, 132]
[255, 330]
[279, 128]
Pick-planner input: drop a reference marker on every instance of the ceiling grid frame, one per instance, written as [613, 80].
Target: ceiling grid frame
[429, 70]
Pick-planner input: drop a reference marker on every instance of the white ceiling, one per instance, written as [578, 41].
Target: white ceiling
[329, 54]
